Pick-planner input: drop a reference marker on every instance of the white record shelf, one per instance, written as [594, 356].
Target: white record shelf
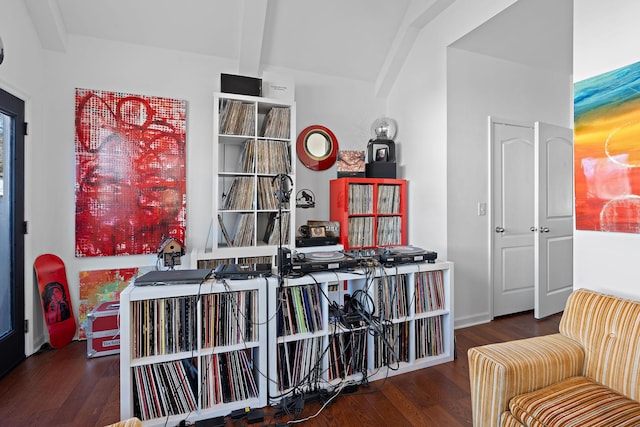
[191, 352]
[274, 338]
[411, 307]
[253, 141]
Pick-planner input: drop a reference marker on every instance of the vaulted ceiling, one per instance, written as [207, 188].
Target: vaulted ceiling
[365, 40]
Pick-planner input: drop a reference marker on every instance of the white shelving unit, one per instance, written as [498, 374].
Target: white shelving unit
[254, 142]
[402, 301]
[167, 328]
[416, 299]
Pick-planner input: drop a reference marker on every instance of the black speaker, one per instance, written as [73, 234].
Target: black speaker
[241, 85]
[381, 170]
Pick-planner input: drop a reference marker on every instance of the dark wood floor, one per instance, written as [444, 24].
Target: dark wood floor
[64, 388]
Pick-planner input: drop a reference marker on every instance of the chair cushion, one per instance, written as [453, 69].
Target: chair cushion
[577, 401]
[508, 420]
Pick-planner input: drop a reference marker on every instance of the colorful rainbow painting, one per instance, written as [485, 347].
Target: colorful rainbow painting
[607, 151]
[100, 286]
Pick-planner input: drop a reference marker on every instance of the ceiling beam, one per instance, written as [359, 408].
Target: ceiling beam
[415, 19]
[254, 16]
[47, 20]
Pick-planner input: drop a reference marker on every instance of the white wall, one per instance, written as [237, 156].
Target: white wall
[605, 38]
[419, 101]
[21, 74]
[347, 107]
[480, 86]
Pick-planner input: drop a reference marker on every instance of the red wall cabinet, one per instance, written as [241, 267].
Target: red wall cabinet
[372, 211]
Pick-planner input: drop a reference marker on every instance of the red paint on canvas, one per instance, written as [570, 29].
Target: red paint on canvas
[130, 172]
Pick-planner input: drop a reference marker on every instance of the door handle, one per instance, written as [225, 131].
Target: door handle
[499, 229]
[533, 229]
[544, 230]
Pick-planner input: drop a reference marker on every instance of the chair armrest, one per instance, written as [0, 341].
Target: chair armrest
[498, 372]
[131, 422]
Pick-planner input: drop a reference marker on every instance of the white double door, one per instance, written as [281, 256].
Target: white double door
[531, 217]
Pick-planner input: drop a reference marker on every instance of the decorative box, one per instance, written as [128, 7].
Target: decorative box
[350, 163]
[103, 332]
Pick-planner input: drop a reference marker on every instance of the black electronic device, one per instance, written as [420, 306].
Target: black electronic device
[322, 261]
[173, 277]
[210, 422]
[242, 272]
[284, 261]
[241, 85]
[394, 255]
[305, 242]
[380, 170]
[365, 253]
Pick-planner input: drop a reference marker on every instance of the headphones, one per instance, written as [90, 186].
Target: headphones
[283, 193]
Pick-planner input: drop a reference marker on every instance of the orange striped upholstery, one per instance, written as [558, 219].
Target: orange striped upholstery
[501, 371]
[609, 330]
[131, 422]
[509, 420]
[598, 339]
[576, 402]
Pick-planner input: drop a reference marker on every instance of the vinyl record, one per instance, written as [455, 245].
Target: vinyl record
[325, 256]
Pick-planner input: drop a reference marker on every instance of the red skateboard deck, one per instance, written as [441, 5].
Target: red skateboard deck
[56, 300]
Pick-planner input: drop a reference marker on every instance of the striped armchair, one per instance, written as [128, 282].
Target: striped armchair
[587, 375]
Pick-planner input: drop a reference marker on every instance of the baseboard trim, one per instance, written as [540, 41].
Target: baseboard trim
[467, 321]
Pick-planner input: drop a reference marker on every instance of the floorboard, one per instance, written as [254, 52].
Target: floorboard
[63, 388]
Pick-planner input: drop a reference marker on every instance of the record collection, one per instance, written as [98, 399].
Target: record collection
[241, 187]
[391, 346]
[163, 389]
[429, 292]
[391, 295]
[237, 117]
[226, 318]
[164, 326]
[347, 353]
[229, 378]
[300, 310]
[402, 324]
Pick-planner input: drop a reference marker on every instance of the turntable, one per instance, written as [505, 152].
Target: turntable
[394, 255]
[322, 261]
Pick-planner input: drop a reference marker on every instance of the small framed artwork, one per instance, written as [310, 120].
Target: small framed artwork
[350, 163]
[331, 228]
[317, 231]
[382, 154]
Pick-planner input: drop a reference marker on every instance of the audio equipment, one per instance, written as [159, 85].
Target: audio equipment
[394, 255]
[242, 272]
[283, 191]
[302, 242]
[284, 261]
[322, 261]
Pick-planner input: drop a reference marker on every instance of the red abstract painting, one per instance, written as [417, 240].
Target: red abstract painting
[130, 172]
